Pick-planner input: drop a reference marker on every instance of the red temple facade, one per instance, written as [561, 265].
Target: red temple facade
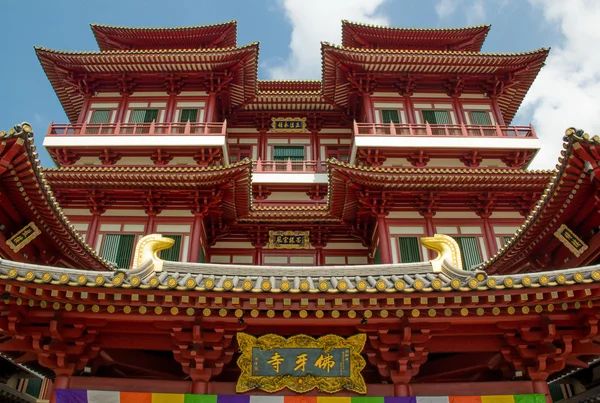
[297, 207]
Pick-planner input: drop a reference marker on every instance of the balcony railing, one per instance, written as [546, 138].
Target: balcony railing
[135, 129]
[260, 166]
[460, 130]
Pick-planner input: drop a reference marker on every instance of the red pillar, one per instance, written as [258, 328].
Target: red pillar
[368, 108]
[150, 222]
[429, 231]
[262, 144]
[497, 112]
[315, 146]
[92, 232]
[409, 110]
[488, 235]
[84, 109]
[384, 240]
[541, 387]
[61, 382]
[258, 255]
[196, 235]
[402, 389]
[170, 112]
[122, 108]
[460, 114]
[211, 108]
[199, 387]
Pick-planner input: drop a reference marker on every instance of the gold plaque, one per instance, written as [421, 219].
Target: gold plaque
[570, 240]
[22, 238]
[289, 240]
[288, 125]
[301, 363]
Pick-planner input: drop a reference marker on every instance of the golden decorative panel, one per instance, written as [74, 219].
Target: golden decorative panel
[288, 125]
[289, 240]
[301, 363]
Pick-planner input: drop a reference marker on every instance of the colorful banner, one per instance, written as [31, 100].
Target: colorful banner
[94, 396]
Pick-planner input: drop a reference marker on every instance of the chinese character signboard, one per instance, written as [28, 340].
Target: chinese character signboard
[301, 363]
[570, 240]
[289, 240]
[22, 238]
[288, 125]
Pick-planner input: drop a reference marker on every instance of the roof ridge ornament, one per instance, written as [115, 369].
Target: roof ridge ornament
[447, 249]
[147, 249]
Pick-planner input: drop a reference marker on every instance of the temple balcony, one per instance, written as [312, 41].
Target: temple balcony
[188, 143]
[443, 145]
[290, 171]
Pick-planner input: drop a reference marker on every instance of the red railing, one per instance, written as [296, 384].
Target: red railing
[144, 129]
[461, 130]
[289, 166]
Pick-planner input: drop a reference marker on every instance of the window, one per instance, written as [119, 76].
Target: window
[469, 248]
[377, 257]
[436, 117]
[118, 249]
[390, 116]
[283, 153]
[237, 154]
[100, 116]
[173, 253]
[189, 115]
[34, 386]
[339, 153]
[143, 115]
[409, 249]
[481, 118]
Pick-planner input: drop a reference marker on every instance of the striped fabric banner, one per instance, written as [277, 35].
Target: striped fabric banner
[95, 396]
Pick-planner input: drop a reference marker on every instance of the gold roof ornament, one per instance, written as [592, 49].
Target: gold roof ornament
[147, 249]
[447, 249]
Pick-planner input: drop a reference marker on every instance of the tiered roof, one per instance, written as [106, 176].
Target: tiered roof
[366, 36]
[111, 37]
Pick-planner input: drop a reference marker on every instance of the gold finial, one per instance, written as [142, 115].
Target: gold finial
[148, 247]
[447, 249]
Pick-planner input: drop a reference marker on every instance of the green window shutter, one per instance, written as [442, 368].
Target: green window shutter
[429, 117]
[377, 257]
[110, 247]
[143, 115]
[100, 116]
[125, 251]
[172, 254]
[283, 153]
[189, 115]
[201, 258]
[137, 116]
[469, 248]
[442, 117]
[481, 118]
[390, 116]
[556, 392]
[34, 386]
[409, 249]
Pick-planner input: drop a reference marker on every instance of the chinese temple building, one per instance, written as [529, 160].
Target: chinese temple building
[210, 235]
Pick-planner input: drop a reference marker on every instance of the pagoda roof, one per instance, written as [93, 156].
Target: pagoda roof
[438, 275]
[345, 179]
[289, 86]
[72, 73]
[109, 37]
[568, 199]
[358, 35]
[28, 195]
[175, 186]
[512, 73]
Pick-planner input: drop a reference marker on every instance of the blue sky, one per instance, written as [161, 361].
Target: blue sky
[289, 32]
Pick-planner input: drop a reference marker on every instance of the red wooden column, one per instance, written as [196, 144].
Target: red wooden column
[460, 114]
[497, 112]
[122, 108]
[195, 239]
[409, 109]
[150, 222]
[384, 239]
[429, 230]
[170, 112]
[211, 108]
[367, 105]
[92, 232]
[84, 108]
[315, 145]
[488, 234]
[262, 144]
[61, 382]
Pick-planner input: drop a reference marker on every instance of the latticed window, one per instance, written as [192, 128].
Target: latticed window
[34, 387]
[118, 249]
[283, 153]
[480, 118]
[189, 115]
[436, 117]
[173, 253]
[390, 116]
[143, 115]
[100, 116]
[409, 249]
[469, 249]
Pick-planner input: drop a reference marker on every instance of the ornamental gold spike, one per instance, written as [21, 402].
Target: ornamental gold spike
[148, 247]
[447, 249]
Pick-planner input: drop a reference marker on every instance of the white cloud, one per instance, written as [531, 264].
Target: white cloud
[314, 21]
[567, 90]
[445, 8]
